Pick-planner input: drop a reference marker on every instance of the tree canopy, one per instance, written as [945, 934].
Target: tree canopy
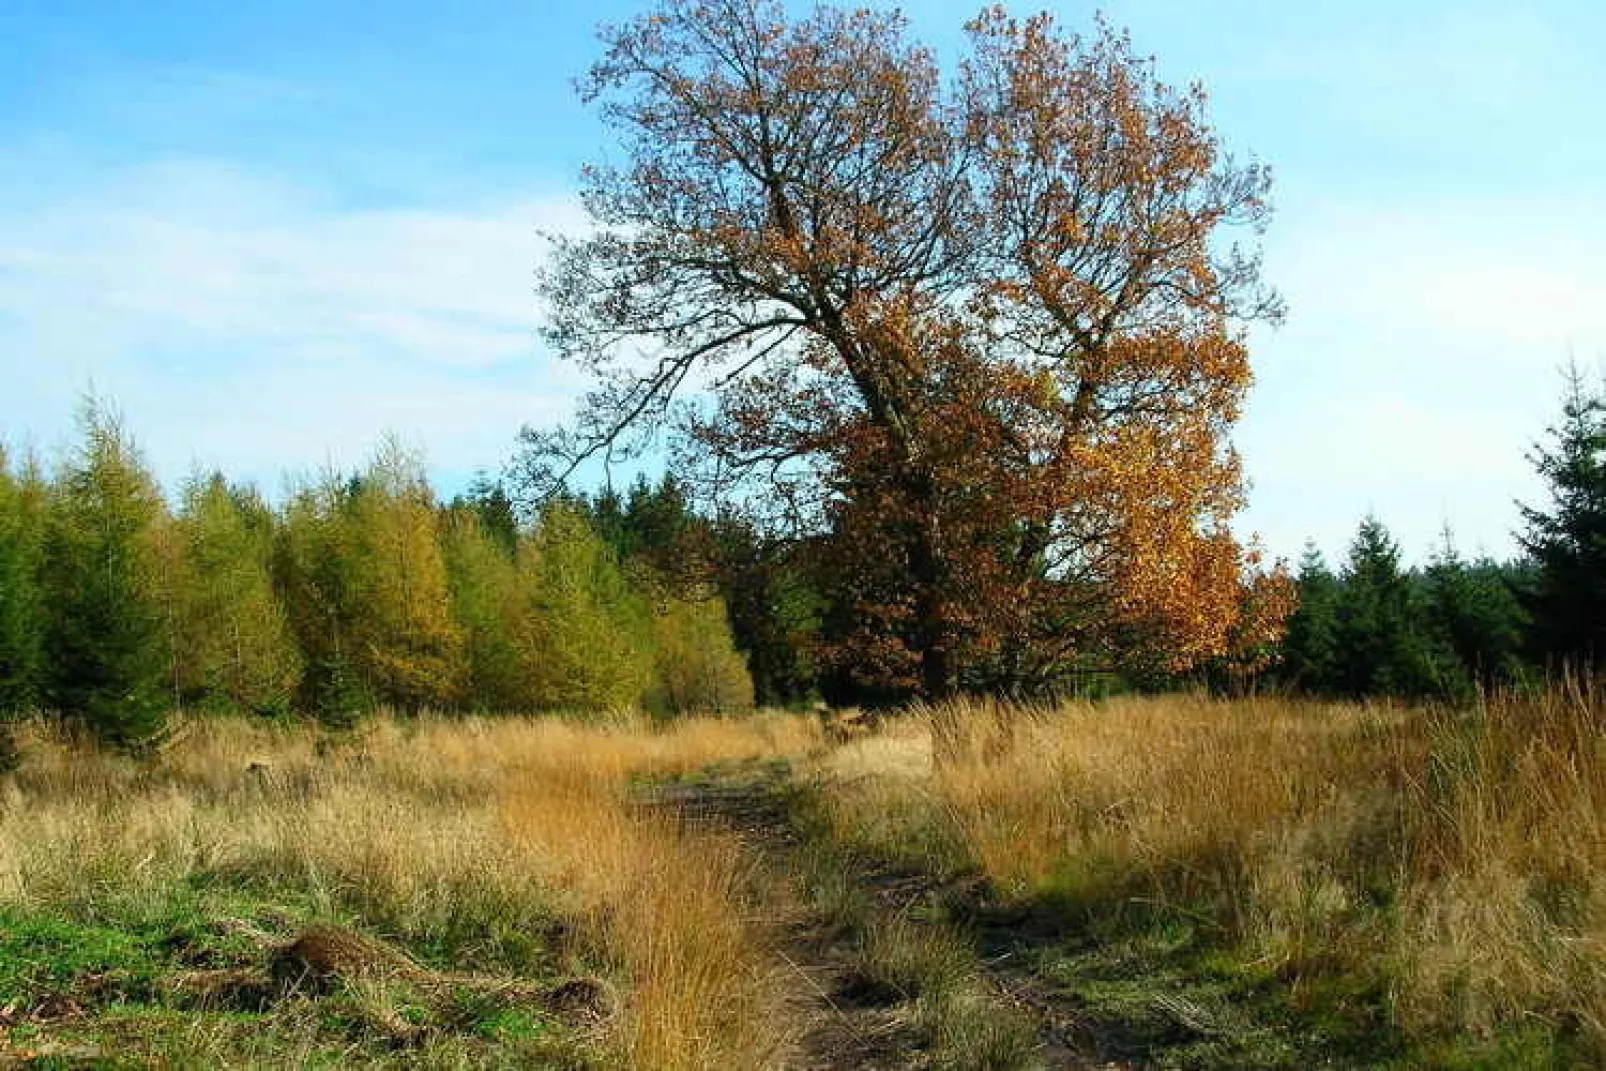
[986, 329]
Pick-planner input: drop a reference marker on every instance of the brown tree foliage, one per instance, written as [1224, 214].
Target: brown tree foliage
[986, 331]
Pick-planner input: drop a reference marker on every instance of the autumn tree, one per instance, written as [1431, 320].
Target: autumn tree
[986, 331]
[668, 552]
[696, 666]
[22, 500]
[364, 577]
[489, 602]
[315, 571]
[407, 643]
[587, 634]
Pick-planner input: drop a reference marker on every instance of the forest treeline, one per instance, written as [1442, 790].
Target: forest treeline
[363, 589]
[1454, 626]
[360, 590]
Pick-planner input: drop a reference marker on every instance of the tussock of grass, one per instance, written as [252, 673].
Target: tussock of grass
[505, 845]
[1451, 866]
[906, 957]
[914, 960]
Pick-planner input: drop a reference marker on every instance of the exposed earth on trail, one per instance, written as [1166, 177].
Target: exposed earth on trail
[846, 1017]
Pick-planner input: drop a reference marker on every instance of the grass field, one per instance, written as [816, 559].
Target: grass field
[1168, 882]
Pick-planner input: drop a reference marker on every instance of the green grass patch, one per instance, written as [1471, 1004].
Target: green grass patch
[85, 989]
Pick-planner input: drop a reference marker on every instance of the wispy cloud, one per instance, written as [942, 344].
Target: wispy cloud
[243, 322]
[254, 324]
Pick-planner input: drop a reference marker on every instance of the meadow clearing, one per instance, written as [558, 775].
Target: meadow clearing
[1172, 881]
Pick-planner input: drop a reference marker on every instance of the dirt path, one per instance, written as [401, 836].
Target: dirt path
[846, 1015]
[838, 1021]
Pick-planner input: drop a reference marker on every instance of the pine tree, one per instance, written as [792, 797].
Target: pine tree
[1385, 642]
[407, 645]
[696, 664]
[607, 513]
[106, 656]
[488, 599]
[21, 608]
[365, 581]
[1473, 606]
[1310, 646]
[587, 635]
[22, 515]
[655, 525]
[315, 571]
[775, 611]
[487, 499]
[232, 640]
[1567, 541]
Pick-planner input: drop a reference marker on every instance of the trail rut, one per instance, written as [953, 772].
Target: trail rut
[841, 1018]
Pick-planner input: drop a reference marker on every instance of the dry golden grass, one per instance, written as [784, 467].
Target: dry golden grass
[430, 826]
[1459, 858]
[1458, 861]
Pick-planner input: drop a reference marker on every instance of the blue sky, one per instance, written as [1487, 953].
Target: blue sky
[272, 232]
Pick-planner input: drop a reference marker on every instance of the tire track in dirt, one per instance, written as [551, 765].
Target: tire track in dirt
[840, 1017]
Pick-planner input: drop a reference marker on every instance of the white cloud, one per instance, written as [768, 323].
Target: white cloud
[249, 324]
[244, 323]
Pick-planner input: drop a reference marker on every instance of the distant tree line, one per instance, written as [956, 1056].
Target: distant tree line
[1372, 627]
[1365, 626]
[1442, 631]
[360, 590]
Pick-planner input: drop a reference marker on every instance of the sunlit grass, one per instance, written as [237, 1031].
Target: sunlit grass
[1457, 860]
[431, 830]
[1448, 869]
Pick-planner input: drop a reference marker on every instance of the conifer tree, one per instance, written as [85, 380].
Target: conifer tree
[1384, 645]
[22, 514]
[587, 638]
[21, 608]
[315, 570]
[105, 651]
[232, 639]
[488, 600]
[775, 610]
[487, 499]
[1567, 541]
[365, 582]
[1473, 607]
[696, 664]
[1310, 647]
[407, 644]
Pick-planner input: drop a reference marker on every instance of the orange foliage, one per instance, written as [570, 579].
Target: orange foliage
[986, 336]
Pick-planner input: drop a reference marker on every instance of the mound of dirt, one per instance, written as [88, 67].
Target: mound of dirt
[241, 989]
[320, 959]
[324, 955]
[582, 999]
